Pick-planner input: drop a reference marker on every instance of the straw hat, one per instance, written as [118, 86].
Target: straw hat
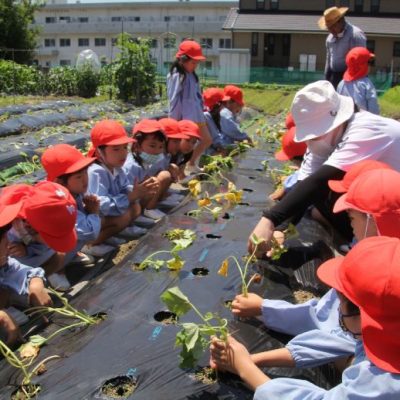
[331, 16]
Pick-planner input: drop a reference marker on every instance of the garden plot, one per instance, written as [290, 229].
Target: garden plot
[6, 112]
[131, 354]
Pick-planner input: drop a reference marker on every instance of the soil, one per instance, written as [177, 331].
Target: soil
[20, 395]
[124, 249]
[206, 375]
[200, 271]
[120, 387]
[166, 318]
[301, 296]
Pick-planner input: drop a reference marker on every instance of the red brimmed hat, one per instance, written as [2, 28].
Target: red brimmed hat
[64, 159]
[51, 211]
[212, 97]
[357, 63]
[234, 93]
[189, 128]
[11, 201]
[108, 132]
[191, 49]
[289, 121]
[369, 276]
[375, 192]
[342, 186]
[290, 148]
[147, 126]
[171, 129]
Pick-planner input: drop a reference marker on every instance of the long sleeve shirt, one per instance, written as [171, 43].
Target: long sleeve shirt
[185, 99]
[17, 276]
[216, 135]
[362, 91]
[338, 47]
[230, 128]
[111, 188]
[361, 381]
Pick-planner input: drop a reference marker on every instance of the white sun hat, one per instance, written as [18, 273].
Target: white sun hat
[318, 108]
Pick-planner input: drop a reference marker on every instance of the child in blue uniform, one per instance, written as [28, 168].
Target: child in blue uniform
[368, 283]
[185, 99]
[119, 205]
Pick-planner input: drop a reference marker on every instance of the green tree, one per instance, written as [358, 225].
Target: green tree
[134, 70]
[16, 31]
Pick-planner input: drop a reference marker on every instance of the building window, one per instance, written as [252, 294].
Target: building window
[191, 18]
[208, 65]
[50, 20]
[169, 43]
[65, 42]
[206, 42]
[48, 63]
[371, 48]
[345, 3]
[65, 19]
[83, 20]
[98, 42]
[274, 4]
[270, 44]
[358, 6]
[83, 42]
[225, 43]
[114, 41]
[137, 19]
[116, 19]
[254, 44]
[286, 45]
[329, 3]
[153, 43]
[65, 63]
[260, 5]
[396, 49]
[49, 42]
[375, 6]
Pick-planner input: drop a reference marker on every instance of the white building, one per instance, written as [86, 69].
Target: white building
[67, 29]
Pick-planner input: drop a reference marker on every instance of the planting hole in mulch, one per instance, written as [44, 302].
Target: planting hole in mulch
[200, 271]
[247, 190]
[100, 316]
[166, 317]
[206, 375]
[212, 236]
[20, 395]
[226, 216]
[243, 204]
[259, 169]
[120, 387]
[252, 178]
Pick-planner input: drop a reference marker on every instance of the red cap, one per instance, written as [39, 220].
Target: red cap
[63, 159]
[234, 93]
[51, 211]
[147, 126]
[369, 276]
[373, 192]
[357, 63]
[191, 49]
[108, 132]
[290, 148]
[289, 121]
[357, 169]
[171, 128]
[189, 128]
[11, 201]
[212, 97]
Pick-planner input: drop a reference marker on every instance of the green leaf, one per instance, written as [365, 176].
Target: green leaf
[181, 244]
[37, 340]
[191, 333]
[176, 301]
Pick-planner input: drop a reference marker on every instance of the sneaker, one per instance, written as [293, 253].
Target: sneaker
[18, 316]
[98, 250]
[115, 241]
[154, 214]
[133, 232]
[144, 222]
[83, 259]
[59, 282]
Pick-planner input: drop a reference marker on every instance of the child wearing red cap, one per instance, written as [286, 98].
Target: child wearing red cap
[356, 84]
[184, 94]
[67, 166]
[230, 128]
[213, 98]
[368, 283]
[45, 229]
[149, 162]
[119, 204]
[14, 276]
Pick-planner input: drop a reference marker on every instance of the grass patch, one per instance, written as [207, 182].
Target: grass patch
[19, 100]
[390, 103]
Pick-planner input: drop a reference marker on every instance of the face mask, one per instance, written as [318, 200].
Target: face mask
[151, 158]
[325, 145]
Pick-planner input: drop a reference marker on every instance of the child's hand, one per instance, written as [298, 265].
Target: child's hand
[148, 187]
[38, 295]
[249, 306]
[92, 204]
[278, 194]
[9, 325]
[16, 250]
[174, 170]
